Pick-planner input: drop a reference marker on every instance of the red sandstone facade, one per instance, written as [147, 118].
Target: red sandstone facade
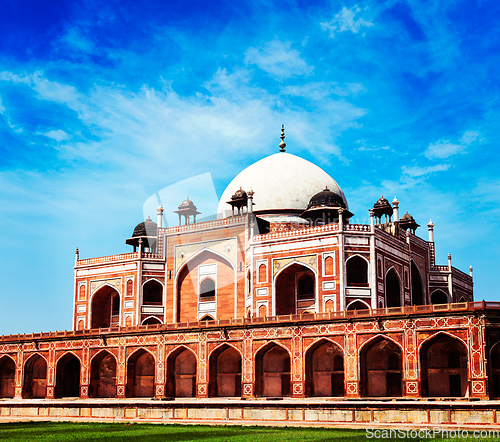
[299, 308]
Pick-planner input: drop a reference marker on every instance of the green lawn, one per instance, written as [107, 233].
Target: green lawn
[53, 431]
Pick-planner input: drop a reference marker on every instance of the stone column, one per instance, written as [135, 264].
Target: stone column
[18, 381]
[478, 379]
[121, 372]
[85, 372]
[297, 374]
[248, 380]
[411, 380]
[51, 370]
[160, 371]
[351, 379]
[202, 378]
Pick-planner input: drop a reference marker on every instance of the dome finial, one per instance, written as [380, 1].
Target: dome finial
[282, 144]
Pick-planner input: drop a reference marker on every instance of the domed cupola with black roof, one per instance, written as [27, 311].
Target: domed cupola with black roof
[408, 223]
[383, 208]
[145, 232]
[323, 208]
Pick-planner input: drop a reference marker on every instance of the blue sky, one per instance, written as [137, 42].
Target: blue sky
[105, 103]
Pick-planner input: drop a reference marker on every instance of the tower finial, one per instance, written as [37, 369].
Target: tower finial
[282, 144]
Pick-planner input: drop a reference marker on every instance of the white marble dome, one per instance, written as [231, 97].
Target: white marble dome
[282, 183]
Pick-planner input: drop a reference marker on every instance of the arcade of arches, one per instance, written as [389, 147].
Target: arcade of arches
[442, 359]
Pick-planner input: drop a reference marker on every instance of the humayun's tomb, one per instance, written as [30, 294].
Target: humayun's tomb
[281, 308]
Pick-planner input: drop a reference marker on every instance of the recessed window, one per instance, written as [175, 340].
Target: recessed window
[207, 289]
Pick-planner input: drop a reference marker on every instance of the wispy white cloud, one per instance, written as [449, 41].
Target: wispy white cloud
[469, 137]
[278, 59]
[346, 20]
[46, 89]
[57, 135]
[2, 107]
[445, 149]
[415, 171]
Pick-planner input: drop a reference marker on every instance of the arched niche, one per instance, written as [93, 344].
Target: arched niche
[140, 374]
[357, 272]
[105, 307]
[152, 293]
[494, 367]
[67, 376]
[7, 377]
[329, 266]
[439, 297]
[272, 371]
[35, 378]
[381, 369]
[181, 373]
[358, 305]
[103, 376]
[325, 370]
[444, 367]
[225, 372]
[151, 320]
[294, 289]
[392, 289]
[417, 291]
[207, 318]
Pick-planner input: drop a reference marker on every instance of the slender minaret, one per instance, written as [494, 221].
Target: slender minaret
[395, 207]
[430, 226]
[159, 212]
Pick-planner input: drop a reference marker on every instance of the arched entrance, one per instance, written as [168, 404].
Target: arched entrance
[7, 377]
[204, 284]
[35, 378]
[105, 308]
[444, 367]
[68, 376]
[181, 373]
[392, 289]
[381, 369]
[272, 371]
[295, 290]
[495, 371]
[417, 292]
[103, 375]
[439, 297]
[141, 374]
[325, 370]
[225, 372]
